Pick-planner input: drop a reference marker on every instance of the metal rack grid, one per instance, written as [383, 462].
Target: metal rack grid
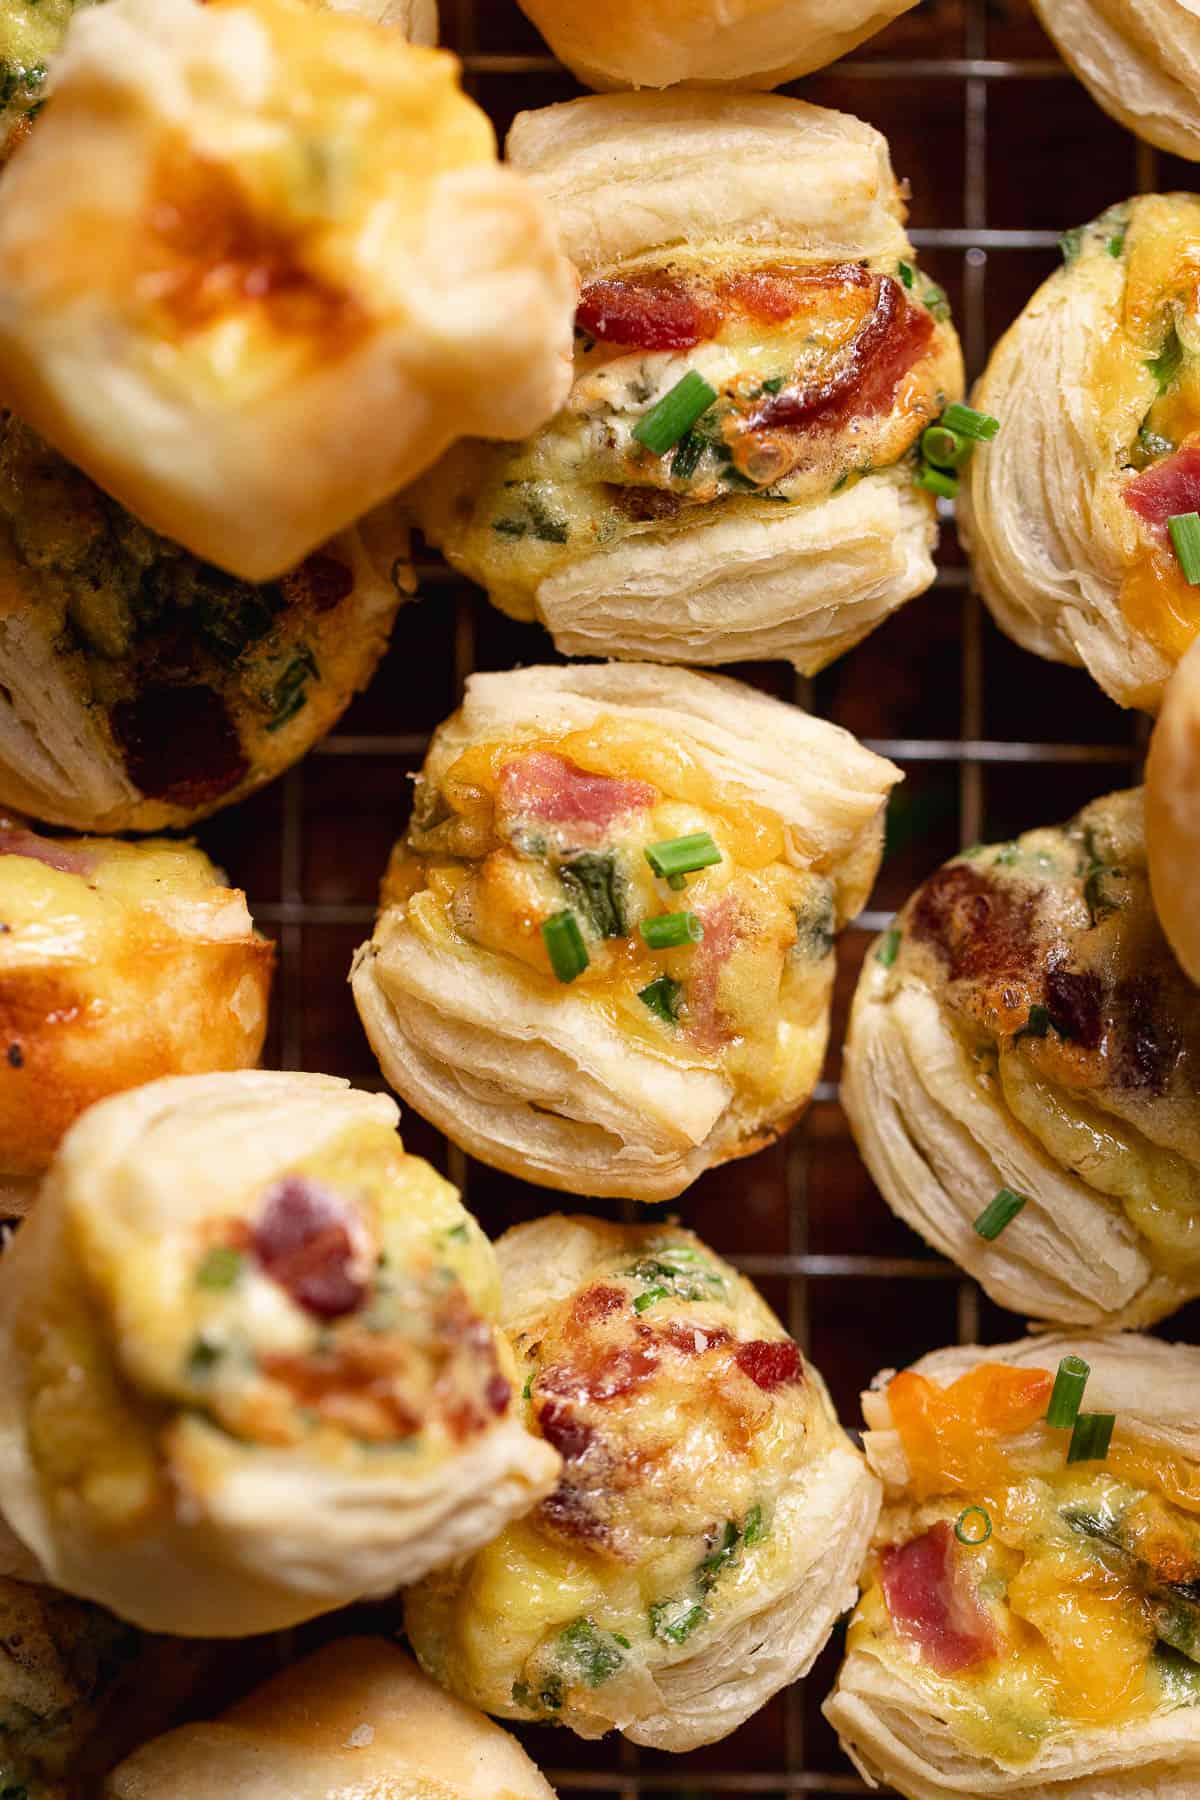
[934, 689]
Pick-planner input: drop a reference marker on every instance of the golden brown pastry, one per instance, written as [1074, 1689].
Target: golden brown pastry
[711, 1514]
[118, 963]
[757, 358]
[1140, 62]
[355, 1719]
[1029, 1625]
[294, 275]
[1097, 389]
[1021, 1074]
[1173, 812]
[750, 43]
[604, 953]
[251, 1367]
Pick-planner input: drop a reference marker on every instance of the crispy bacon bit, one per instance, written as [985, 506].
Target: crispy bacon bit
[651, 312]
[979, 926]
[556, 791]
[1149, 1039]
[303, 1241]
[770, 1365]
[498, 1392]
[705, 1023]
[15, 840]
[609, 1372]
[570, 1435]
[321, 582]
[571, 1512]
[868, 373]
[643, 505]
[932, 1603]
[693, 1340]
[599, 1302]
[180, 744]
[1075, 1003]
[1166, 488]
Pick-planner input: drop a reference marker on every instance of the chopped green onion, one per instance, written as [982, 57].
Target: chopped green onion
[686, 460]
[1069, 1384]
[1185, 535]
[663, 426]
[945, 449]
[650, 1298]
[682, 855]
[904, 271]
[889, 947]
[220, 1267]
[998, 1213]
[1091, 1437]
[969, 423]
[973, 1526]
[669, 930]
[675, 1620]
[1115, 245]
[590, 1651]
[754, 1529]
[1036, 1025]
[774, 385]
[565, 946]
[936, 481]
[662, 998]
[527, 1390]
[1166, 365]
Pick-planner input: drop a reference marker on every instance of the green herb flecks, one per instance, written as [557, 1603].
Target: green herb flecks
[999, 1213]
[588, 1654]
[203, 1357]
[565, 946]
[889, 947]
[673, 1621]
[290, 692]
[816, 927]
[220, 1267]
[677, 1272]
[1166, 365]
[598, 888]
[663, 997]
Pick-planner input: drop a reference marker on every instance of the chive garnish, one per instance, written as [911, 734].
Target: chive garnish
[682, 855]
[969, 423]
[1091, 1437]
[565, 946]
[936, 481]
[999, 1212]
[650, 1298]
[661, 996]
[889, 947]
[1036, 1025]
[663, 426]
[973, 1526]
[1185, 535]
[219, 1268]
[904, 271]
[686, 460]
[1069, 1384]
[945, 449]
[669, 930]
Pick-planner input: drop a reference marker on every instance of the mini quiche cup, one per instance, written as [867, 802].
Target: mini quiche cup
[1173, 812]
[710, 1518]
[251, 1370]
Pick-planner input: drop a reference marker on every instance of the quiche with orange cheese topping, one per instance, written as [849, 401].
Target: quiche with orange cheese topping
[757, 357]
[710, 1517]
[251, 1366]
[1024, 1030]
[604, 953]
[1030, 1618]
[1097, 388]
[118, 963]
[294, 275]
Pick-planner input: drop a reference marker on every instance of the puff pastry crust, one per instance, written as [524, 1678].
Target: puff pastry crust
[755, 245]
[1141, 63]
[711, 1514]
[1173, 812]
[1097, 390]
[118, 963]
[1026, 1623]
[540, 798]
[706, 43]
[295, 275]
[253, 1373]
[1026, 1026]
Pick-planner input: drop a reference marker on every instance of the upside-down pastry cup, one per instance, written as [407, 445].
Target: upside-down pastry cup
[1026, 1027]
[537, 812]
[1096, 387]
[1173, 812]
[252, 1369]
[1028, 1625]
[1140, 63]
[294, 275]
[711, 1514]
[754, 249]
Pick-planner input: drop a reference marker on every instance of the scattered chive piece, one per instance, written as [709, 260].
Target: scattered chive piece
[1091, 1437]
[1037, 1024]
[675, 882]
[936, 481]
[1115, 245]
[662, 997]
[774, 385]
[973, 1526]
[753, 1530]
[675, 1620]
[663, 426]
[889, 948]
[945, 449]
[565, 946]
[682, 855]
[998, 1213]
[1065, 1401]
[669, 930]
[623, 1641]
[969, 423]
[527, 1390]
[1185, 536]
[1166, 365]
[649, 1298]
[686, 460]
[220, 1268]
[904, 271]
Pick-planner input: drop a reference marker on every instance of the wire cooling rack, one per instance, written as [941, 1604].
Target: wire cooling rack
[1003, 150]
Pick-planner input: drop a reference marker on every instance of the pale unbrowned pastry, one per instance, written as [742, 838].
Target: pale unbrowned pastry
[1025, 1027]
[709, 43]
[1029, 1625]
[251, 1367]
[710, 1518]
[118, 963]
[1173, 812]
[1097, 390]
[294, 275]
[688, 1022]
[745, 256]
[1139, 60]
[356, 1719]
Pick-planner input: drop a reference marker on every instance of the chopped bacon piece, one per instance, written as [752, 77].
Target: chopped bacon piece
[549, 788]
[706, 1026]
[570, 1435]
[321, 582]
[979, 925]
[15, 840]
[932, 1602]
[303, 1241]
[894, 334]
[1166, 488]
[770, 1365]
[654, 312]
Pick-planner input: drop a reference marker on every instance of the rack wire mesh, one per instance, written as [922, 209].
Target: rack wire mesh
[1003, 150]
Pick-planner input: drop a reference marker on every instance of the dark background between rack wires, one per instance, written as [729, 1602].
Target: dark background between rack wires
[1003, 150]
